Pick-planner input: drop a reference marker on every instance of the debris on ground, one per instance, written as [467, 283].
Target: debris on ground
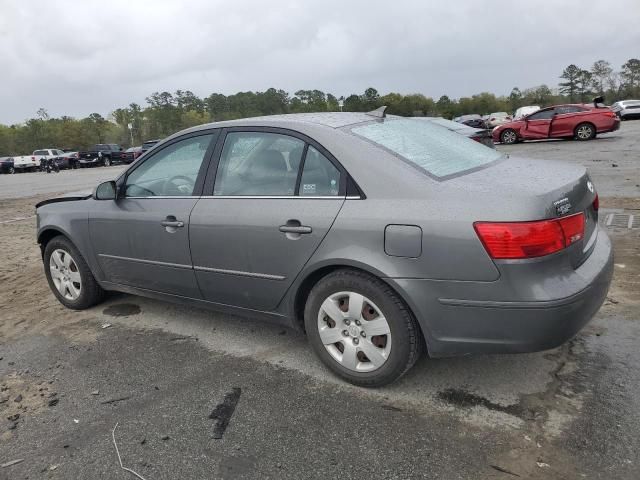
[504, 470]
[113, 436]
[18, 399]
[543, 465]
[105, 325]
[95, 392]
[53, 402]
[12, 462]
[114, 400]
[224, 411]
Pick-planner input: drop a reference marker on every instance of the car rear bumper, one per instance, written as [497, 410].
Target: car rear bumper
[459, 318]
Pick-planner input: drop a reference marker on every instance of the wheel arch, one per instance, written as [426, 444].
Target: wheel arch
[49, 233]
[314, 275]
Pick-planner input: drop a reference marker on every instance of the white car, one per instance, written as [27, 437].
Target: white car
[498, 118]
[524, 111]
[47, 153]
[626, 109]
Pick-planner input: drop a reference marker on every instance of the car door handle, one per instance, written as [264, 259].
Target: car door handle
[294, 226]
[172, 222]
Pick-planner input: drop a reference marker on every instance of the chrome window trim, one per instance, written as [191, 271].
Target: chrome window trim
[269, 197]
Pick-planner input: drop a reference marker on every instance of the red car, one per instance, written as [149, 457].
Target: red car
[579, 121]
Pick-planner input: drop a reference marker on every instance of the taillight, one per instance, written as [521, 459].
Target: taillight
[517, 240]
[596, 203]
[610, 114]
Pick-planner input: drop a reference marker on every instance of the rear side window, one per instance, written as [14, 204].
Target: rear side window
[437, 151]
[320, 177]
[258, 163]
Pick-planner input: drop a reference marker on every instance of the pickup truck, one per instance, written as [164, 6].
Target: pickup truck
[26, 163]
[101, 154]
[51, 154]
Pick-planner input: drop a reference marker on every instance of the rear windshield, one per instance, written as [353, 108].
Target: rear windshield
[437, 151]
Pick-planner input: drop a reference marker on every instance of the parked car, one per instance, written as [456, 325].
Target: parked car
[498, 118]
[47, 154]
[524, 111]
[627, 109]
[479, 135]
[148, 145]
[473, 120]
[578, 121]
[25, 163]
[6, 165]
[101, 154]
[69, 159]
[377, 236]
[130, 154]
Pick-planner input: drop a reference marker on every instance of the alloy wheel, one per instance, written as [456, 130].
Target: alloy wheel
[65, 274]
[509, 136]
[584, 132]
[354, 331]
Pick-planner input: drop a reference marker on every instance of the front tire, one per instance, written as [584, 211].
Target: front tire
[69, 276]
[361, 329]
[107, 162]
[584, 131]
[508, 136]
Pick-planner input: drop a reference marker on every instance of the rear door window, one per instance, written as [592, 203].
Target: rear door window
[435, 150]
[258, 164]
[542, 115]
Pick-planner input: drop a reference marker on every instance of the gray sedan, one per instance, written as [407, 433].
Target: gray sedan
[381, 237]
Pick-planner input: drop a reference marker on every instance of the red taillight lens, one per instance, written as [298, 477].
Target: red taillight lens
[610, 114]
[596, 203]
[516, 240]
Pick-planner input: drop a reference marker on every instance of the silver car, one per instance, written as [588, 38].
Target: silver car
[382, 238]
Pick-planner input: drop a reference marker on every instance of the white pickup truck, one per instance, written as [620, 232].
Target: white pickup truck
[31, 162]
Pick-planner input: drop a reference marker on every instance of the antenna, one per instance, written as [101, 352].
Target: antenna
[378, 112]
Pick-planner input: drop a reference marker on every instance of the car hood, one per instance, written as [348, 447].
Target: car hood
[67, 197]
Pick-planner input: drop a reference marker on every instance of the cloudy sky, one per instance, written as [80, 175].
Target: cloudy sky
[74, 57]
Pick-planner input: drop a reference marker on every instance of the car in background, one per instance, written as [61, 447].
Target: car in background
[473, 120]
[131, 154]
[627, 109]
[48, 154]
[577, 121]
[524, 111]
[148, 145]
[6, 165]
[477, 134]
[25, 163]
[69, 160]
[103, 154]
[381, 238]
[498, 118]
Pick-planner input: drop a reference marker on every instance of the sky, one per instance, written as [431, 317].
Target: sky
[75, 57]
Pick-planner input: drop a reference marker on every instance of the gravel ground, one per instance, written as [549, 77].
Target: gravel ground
[162, 371]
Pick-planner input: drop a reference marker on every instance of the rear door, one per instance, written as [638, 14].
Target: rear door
[537, 125]
[272, 201]
[141, 239]
[565, 120]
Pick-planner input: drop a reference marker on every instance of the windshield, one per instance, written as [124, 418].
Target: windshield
[437, 151]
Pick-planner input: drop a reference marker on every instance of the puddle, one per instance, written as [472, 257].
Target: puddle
[122, 310]
[464, 399]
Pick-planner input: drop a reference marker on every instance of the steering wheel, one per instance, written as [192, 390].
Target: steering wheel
[185, 188]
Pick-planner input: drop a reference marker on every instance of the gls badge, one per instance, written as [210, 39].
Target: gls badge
[563, 206]
[590, 186]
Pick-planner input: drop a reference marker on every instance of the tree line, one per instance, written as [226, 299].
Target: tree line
[166, 113]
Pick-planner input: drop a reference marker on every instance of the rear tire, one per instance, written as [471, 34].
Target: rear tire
[375, 343]
[584, 131]
[107, 162]
[12, 170]
[69, 276]
[508, 136]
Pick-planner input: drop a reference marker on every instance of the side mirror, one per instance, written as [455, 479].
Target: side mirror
[106, 191]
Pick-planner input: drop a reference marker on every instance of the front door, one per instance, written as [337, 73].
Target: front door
[274, 200]
[537, 125]
[142, 238]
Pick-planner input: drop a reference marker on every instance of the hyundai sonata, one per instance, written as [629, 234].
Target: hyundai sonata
[380, 237]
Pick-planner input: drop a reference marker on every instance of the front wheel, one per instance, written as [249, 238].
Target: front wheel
[361, 329]
[69, 276]
[12, 170]
[107, 162]
[509, 136]
[585, 131]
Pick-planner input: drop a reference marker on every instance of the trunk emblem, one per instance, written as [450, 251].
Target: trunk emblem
[563, 206]
[590, 186]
